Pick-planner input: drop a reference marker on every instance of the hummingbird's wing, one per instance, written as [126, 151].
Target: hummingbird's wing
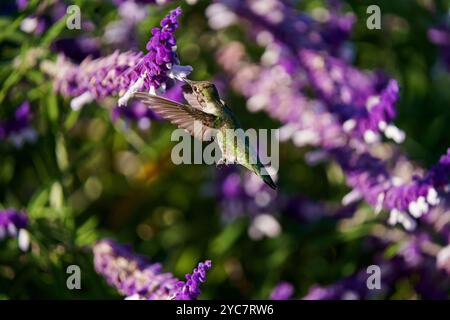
[198, 123]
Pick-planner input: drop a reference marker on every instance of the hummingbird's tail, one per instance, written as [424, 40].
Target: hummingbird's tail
[261, 171]
[268, 180]
[258, 168]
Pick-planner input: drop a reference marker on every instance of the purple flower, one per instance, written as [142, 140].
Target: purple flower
[276, 89]
[92, 79]
[121, 73]
[284, 22]
[363, 103]
[282, 291]
[440, 36]
[21, 4]
[18, 128]
[136, 278]
[160, 63]
[190, 289]
[405, 201]
[13, 223]
[336, 28]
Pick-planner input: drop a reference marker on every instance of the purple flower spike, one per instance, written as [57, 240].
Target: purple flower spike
[124, 73]
[92, 79]
[283, 291]
[405, 201]
[343, 130]
[132, 274]
[190, 290]
[18, 129]
[160, 63]
[136, 278]
[363, 103]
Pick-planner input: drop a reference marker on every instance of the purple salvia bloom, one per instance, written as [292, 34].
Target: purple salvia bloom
[135, 277]
[275, 90]
[362, 104]
[92, 79]
[13, 223]
[284, 22]
[18, 128]
[121, 73]
[282, 291]
[160, 63]
[175, 92]
[190, 289]
[308, 123]
[369, 176]
[336, 28]
[130, 273]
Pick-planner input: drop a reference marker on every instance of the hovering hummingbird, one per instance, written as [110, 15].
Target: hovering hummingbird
[205, 107]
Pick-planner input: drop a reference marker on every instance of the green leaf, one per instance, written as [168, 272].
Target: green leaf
[37, 203]
[54, 31]
[56, 196]
[86, 234]
[52, 107]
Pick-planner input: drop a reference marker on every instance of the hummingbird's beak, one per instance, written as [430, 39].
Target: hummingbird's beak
[190, 82]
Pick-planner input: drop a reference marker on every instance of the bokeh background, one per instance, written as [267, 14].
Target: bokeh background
[88, 175]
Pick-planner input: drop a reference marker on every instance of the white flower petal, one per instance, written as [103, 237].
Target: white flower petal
[24, 240]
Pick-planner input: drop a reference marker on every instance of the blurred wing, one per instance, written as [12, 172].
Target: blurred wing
[198, 123]
[191, 98]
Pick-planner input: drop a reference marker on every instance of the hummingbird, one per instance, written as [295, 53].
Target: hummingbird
[205, 107]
